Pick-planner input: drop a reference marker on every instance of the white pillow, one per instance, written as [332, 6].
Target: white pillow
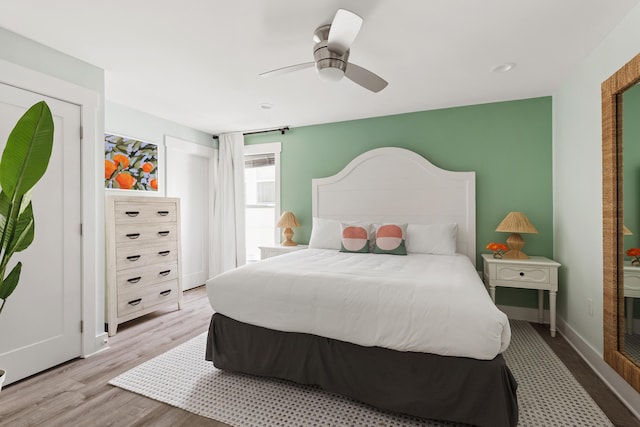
[437, 239]
[325, 234]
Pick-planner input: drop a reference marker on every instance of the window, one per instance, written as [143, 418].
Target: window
[262, 196]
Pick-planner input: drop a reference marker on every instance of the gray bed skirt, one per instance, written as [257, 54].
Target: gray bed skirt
[471, 391]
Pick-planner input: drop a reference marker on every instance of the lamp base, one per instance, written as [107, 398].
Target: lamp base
[287, 233]
[515, 243]
[515, 255]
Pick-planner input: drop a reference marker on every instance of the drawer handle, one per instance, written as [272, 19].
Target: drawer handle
[164, 253]
[133, 257]
[133, 235]
[134, 279]
[165, 293]
[163, 233]
[165, 272]
[521, 274]
[163, 213]
[132, 213]
[135, 301]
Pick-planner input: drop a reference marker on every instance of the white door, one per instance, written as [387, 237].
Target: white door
[189, 178]
[40, 323]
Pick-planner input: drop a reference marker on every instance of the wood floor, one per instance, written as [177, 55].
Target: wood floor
[77, 394]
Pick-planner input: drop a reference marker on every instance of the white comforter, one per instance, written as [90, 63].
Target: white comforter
[423, 303]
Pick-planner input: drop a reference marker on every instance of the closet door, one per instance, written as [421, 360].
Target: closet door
[189, 177]
[40, 323]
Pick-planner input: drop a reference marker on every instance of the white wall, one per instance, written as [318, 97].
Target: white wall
[120, 119]
[577, 182]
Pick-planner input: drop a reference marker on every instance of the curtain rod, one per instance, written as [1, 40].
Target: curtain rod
[282, 130]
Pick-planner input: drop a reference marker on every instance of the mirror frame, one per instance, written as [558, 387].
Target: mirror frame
[612, 220]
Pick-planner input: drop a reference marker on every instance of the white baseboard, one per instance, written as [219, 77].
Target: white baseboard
[102, 343]
[627, 394]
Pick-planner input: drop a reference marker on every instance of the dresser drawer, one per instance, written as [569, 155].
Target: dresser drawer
[144, 212]
[522, 273]
[134, 255]
[131, 302]
[145, 232]
[136, 278]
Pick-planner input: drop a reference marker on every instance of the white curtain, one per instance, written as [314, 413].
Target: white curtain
[229, 205]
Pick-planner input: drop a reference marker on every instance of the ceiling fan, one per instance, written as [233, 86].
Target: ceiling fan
[331, 54]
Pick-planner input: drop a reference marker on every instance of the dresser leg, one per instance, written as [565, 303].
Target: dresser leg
[112, 328]
[628, 316]
[492, 292]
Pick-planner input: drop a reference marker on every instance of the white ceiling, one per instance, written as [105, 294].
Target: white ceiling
[196, 62]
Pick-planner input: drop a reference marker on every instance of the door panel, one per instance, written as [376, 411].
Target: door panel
[40, 323]
[188, 178]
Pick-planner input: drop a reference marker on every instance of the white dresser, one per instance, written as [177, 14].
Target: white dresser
[143, 256]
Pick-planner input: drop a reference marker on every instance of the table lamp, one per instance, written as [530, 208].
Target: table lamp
[626, 231]
[516, 223]
[287, 221]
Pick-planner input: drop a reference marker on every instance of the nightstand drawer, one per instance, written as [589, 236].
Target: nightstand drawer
[521, 273]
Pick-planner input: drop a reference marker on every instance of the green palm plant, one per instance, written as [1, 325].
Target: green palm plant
[24, 161]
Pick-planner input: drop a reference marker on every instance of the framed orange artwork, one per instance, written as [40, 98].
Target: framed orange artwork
[130, 164]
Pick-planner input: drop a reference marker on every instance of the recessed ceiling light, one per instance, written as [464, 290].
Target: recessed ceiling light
[266, 106]
[503, 68]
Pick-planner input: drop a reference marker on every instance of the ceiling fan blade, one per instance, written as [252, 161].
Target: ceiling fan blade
[365, 78]
[343, 32]
[288, 69]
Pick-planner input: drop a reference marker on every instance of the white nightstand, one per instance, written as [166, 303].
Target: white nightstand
[275, 250]
[631, 291]
[534, 273]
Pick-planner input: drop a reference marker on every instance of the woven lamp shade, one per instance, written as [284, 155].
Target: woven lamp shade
[516, 223]
[288, 221]
[626, 231]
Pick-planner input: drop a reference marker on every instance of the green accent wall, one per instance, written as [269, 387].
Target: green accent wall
[508, 145]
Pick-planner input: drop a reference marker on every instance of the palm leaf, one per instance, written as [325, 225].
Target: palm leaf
[26, 155]
[10, 282]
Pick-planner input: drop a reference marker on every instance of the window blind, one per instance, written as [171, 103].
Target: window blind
[259, 160]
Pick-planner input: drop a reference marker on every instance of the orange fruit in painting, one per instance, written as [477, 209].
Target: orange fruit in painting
[122, 159]
[147, 167]
[109, 168]
[125, 180]
[154, 183]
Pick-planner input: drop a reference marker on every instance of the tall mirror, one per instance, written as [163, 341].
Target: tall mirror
[631, 220]
[618, 330]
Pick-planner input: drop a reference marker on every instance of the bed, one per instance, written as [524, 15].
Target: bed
[415, 334]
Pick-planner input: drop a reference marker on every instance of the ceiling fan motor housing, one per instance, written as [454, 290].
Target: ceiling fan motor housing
[330, 65]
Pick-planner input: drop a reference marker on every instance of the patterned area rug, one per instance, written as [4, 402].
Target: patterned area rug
[548, 394]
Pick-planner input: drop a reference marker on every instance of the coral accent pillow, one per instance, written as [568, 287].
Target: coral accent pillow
[390, 239]
[355, 238]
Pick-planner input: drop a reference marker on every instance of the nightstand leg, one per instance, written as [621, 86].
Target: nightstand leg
[552, 312]
[540, 306]
[628, 316]
[492, 292]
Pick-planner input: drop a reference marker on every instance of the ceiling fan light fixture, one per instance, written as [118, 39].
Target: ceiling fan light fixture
[331, 74]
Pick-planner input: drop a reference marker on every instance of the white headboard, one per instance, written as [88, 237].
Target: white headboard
[397, 185]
